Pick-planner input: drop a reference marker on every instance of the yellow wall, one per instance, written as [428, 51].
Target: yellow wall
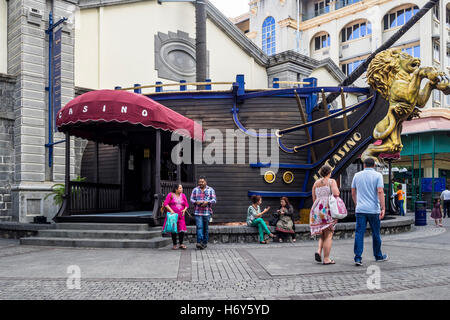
[115, 46]
[3, 37]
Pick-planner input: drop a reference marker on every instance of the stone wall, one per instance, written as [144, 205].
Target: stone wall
[7, 88]
[28, 62]
[244, 234]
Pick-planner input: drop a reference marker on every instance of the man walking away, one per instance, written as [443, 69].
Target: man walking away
[445, 198]
[368, 196]
[203, 197]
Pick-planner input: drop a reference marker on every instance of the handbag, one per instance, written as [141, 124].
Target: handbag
[337, 206]
[171, 223]
[274, 220]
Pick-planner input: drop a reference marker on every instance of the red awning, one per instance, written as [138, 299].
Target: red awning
[123, 108]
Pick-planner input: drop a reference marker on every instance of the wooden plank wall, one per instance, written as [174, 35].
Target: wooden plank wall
[108, 163]
[233, 181]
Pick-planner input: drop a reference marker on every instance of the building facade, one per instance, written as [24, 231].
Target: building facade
[348, 31]
[106, 44]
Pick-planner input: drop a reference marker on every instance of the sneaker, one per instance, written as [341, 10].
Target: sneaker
[199, 246]
[358, 263]
[383, 258]
[204, 245]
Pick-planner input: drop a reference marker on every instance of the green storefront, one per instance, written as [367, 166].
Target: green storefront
[426, 155]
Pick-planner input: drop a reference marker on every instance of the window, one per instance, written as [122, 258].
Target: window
[321, 7]
[447, 17]
[268, 36]
[348, 68]
[436, 11]
[399, 17]
[436, 96]
[436, 51]
[358, 30]
[413, 51]
[321, 41]
[448, 58]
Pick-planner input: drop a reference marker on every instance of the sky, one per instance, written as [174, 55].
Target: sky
[231, 8]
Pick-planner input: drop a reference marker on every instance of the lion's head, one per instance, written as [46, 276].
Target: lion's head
[383, 69]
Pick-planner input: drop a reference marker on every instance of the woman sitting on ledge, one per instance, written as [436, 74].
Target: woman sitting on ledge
[254, 218]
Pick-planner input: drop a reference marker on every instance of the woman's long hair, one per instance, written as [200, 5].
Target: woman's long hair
[287, 202]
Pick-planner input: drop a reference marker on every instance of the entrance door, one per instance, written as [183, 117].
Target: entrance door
[133, 178]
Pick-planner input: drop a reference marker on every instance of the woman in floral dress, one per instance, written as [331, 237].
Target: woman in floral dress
[320, 220]
[176, 202]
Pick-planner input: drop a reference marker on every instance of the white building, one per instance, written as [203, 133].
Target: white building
[347, 31]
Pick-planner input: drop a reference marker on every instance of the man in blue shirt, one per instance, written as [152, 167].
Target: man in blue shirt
[368, 196]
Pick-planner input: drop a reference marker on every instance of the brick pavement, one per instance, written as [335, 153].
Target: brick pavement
[233, 272]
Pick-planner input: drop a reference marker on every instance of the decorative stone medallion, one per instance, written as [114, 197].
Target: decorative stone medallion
[175, 56]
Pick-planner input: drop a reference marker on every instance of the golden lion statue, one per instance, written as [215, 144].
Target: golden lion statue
[397, 76]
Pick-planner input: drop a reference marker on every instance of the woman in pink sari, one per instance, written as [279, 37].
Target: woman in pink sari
[176, 202]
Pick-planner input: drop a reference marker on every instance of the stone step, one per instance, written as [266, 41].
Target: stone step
[5, 218]
[96, 243]
[99, 234]
[105, 226]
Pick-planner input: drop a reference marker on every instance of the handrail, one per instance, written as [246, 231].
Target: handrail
[312, 143]
[94, 184]
[175, 84]
[281, 132]
[292, 82]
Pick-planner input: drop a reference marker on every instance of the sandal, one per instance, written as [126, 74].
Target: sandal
[331, 262]
[174, 248]
[182, 246]
[317, 257]
[271, 235]
[263, 242]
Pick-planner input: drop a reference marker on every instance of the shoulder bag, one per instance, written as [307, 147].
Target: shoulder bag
[337, 206]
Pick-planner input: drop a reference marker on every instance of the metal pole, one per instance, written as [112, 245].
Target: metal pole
[200, 41]
[50, 90]
[432, 174]
[298, 26]
[389, 186]
[420, 169]
[67, 177]
[413, 195]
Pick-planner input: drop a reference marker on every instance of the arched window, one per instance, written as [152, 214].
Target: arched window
[356, 31]
[399, 17]
[268, 36]
[321, 40]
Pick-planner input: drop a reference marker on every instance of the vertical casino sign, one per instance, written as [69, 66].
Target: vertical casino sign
[56, 74]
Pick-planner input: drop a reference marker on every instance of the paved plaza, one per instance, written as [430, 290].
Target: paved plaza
[418, 268]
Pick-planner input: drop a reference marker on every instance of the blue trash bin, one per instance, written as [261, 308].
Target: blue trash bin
[421, 213]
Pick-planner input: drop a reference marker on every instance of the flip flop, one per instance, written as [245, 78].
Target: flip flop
[317, 257]
[331, 262]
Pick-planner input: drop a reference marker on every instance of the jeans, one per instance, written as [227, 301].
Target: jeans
[202, 229]
[361, 223]
[400, 206]
[259, 222]
[447, 208]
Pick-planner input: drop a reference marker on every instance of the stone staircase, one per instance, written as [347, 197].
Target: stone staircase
[99, 235]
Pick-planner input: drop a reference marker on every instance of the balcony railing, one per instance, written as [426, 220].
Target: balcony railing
[339, 4]
[343, 3]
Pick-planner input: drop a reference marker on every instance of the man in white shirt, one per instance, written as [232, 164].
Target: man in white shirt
[445, 200]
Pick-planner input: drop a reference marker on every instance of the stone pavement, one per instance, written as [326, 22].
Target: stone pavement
[419, 267]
